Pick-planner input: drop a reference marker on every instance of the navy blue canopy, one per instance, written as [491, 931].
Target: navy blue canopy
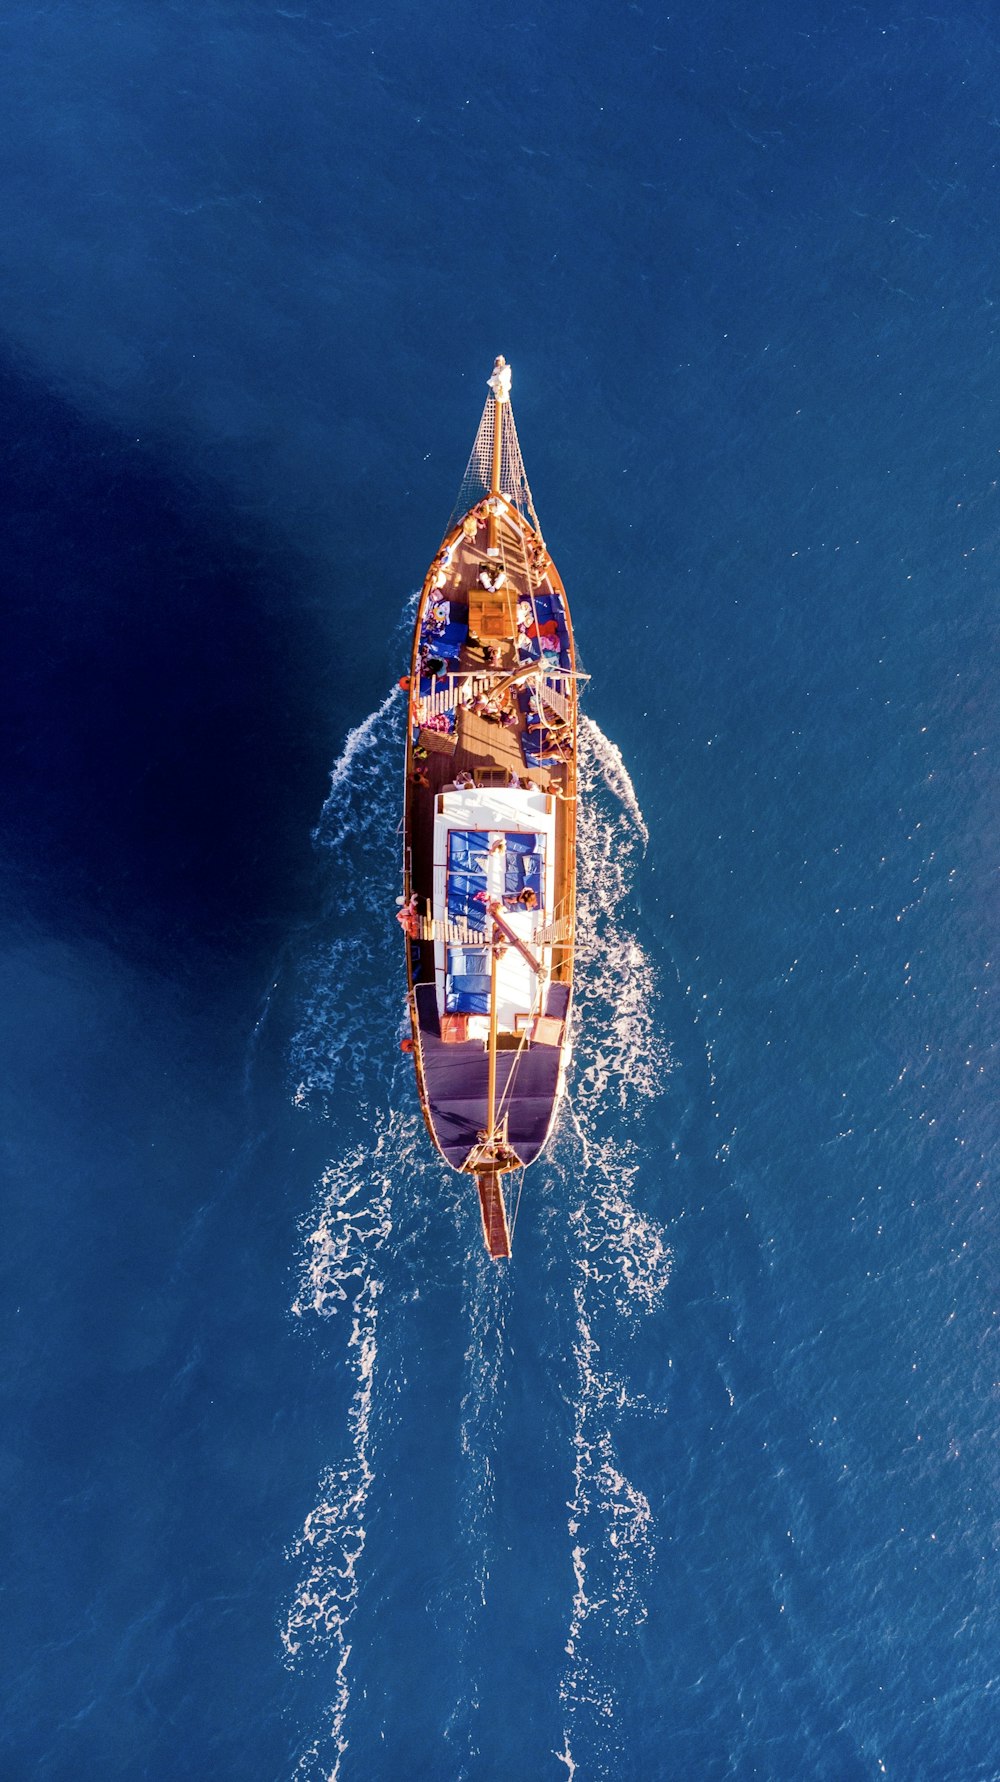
[456, 1082]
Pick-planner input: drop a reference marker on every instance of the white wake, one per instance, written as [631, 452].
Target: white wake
[352, 1239]
[619, 1256]
[346, 1039]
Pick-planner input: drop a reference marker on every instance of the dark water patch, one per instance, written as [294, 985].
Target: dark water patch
[170, 700]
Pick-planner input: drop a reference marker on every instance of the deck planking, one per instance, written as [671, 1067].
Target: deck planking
[482, 744]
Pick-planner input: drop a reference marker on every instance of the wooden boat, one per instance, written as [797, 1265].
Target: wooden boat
[489, 861]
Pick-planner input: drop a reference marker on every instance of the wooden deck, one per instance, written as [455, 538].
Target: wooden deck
[453, 1075]
[484, 748]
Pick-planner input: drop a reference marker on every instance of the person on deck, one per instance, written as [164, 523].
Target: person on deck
[408, 918]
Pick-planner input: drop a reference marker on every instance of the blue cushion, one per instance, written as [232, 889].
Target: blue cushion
[550, 606]
[474, 984]
[466, 887]
[446, 640]
[448, 643]
[463, 842]
[473, 915]
[466, 996]
[525, 874]
[467, 897]
[468, 962]
[468, 850]
[532, 757]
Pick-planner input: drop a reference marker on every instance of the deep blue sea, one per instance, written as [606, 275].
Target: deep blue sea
[295, 1483]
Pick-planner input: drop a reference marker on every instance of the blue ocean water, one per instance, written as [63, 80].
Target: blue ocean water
[295, 1483]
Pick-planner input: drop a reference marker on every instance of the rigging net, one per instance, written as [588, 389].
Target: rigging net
[513, 479]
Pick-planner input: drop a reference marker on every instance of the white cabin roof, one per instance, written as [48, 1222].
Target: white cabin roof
[497, 811]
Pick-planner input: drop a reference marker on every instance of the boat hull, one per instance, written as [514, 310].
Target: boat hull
[489, 864]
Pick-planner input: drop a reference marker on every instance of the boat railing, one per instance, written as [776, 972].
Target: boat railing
[554, 690]
[448, 689]
[459, 934]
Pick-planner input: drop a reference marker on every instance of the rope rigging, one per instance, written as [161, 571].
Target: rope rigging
[475, 484]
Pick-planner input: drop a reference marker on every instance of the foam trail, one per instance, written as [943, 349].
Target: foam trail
[566, 1756]
[620, 1256]
[627, 1063]
[350, 1243]
[346, 1038]
[488, 1291]
[481, 1406]
[358, 766]
[621, 1263]
[332, 1544]
[607, 758]
[344, 1242]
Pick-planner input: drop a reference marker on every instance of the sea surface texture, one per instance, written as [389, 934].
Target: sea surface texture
[296, 1485]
